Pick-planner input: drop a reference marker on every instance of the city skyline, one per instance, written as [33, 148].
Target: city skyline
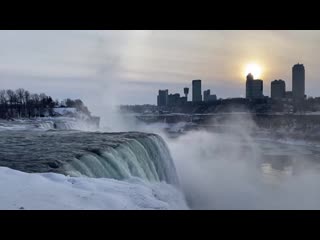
[254, 88]
[121, 67]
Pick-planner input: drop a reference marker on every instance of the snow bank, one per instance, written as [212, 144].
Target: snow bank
[49, 191]
[64, 111]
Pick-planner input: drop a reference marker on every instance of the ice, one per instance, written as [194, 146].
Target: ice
[51, 191]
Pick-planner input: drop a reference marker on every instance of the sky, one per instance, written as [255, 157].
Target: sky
[129, 67]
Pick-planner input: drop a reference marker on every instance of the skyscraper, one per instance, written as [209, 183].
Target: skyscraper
[163, 98]
[278, 89]
[298, 81]
[196, 91]
[254, 87]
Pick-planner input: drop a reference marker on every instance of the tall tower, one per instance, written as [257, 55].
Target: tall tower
[196, 91]
[186, 92]
[298, 81]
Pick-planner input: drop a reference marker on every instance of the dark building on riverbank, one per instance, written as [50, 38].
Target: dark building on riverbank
[173, 99]
[196, 91]
[207, 97]
[278, 89]
[254, 88]
[298, 82]
[162, 99]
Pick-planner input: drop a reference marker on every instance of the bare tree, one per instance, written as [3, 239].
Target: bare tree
[3, 104]
[27, 102]
[21, 103]
[20, 100]
[12, 98]
[35, 101]
[42, 103]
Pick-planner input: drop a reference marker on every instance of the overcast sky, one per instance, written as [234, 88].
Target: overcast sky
[128, 67]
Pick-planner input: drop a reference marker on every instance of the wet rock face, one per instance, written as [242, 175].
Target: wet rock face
[53, 164]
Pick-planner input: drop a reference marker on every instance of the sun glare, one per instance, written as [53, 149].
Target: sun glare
[254, 69]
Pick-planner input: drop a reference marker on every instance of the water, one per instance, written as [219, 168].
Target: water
[234, 170]
[230, 169]
[92, 154]
[46, 159]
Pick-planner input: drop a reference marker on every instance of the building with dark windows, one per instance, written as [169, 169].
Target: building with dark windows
[254, 88]
[196, 91]
[298, 82]
[207, 97]
[173, 99]
[278, 89]
[212, 97]
[162, 99]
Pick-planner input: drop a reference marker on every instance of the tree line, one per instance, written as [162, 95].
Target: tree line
[23, 104]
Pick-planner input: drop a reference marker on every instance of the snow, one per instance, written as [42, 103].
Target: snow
[51, 191]
[63, 111]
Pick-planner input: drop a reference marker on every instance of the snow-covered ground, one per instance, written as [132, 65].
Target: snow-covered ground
[50, 191]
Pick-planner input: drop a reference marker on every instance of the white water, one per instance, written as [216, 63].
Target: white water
[48, 123]
[146, 157]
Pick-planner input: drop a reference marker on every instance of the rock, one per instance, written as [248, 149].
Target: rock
[53, 164]
[21, 208]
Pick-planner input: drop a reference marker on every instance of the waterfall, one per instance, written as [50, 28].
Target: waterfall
[66, 124]
[145, 157]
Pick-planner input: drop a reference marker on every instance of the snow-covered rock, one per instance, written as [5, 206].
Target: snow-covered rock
[64, 111]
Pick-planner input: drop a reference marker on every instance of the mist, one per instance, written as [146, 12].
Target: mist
[218, 170]
[223, 170]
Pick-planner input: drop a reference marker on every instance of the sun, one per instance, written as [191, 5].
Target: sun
[254, 69]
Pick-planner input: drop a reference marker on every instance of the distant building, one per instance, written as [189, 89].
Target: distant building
[207, 97]
[196, 91]
[288, 94]
[298, 82]
[212, 97]
[278, 89]
[186, 92]
[183, 100]
[173, 99]
[254, 87]
[162, 99]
